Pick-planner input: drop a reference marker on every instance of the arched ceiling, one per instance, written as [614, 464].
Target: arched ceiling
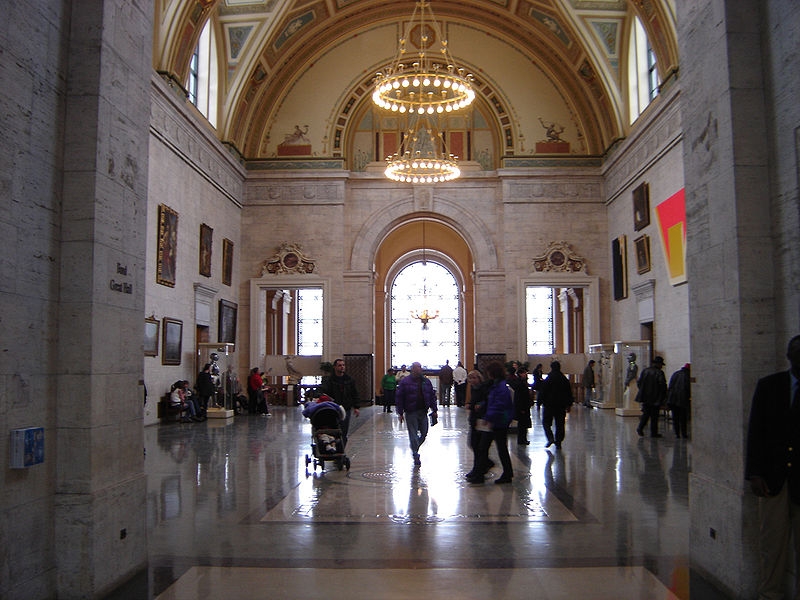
[266, 47]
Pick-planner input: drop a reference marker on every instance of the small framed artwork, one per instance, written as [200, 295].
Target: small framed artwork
[151, 326]
[172, 342]
[167, 245]
[641, 206]
[619, 261]
[206, 240]
[227, 322]
[227, 261]
[642, 244]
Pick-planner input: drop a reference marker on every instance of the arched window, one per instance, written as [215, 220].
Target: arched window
[643, 79]
[203, 75]
[425, 323]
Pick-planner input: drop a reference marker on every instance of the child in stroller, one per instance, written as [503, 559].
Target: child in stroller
[326, 434]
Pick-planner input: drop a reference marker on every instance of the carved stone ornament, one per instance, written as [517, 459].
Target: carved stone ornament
[560, 257]
[288, 259]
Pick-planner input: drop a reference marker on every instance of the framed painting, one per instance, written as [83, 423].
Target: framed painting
[642, 244]
[206, 241]
[167, 245]
[151, 326]
[227, 261]
[227, 322]
[172, 342]
[619, 262]
[641, 207]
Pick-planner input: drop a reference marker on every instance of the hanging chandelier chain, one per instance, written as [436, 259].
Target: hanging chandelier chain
[423, 85]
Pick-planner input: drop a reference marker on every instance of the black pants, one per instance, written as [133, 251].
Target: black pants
[650, 412]
[500, 439]
[680, 419]
[550, 416]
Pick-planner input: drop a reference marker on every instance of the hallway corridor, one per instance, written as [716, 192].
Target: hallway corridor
[234, 512]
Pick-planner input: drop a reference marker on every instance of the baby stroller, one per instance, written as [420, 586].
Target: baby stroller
[326, 439]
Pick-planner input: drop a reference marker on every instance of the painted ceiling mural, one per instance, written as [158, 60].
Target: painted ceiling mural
[549, 73]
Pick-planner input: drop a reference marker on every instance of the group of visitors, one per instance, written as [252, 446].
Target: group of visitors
[183, 400]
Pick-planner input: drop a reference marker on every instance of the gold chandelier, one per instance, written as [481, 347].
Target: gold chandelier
[422, 83]
[422, 158]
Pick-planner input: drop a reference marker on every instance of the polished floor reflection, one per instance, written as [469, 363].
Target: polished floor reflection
[236, 511]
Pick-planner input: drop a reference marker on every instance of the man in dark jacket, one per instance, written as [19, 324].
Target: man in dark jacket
[652, 394]
[205, 388]
[556, 397]
[679, 395]
[342, 388]
[413, 398]
[773, 450]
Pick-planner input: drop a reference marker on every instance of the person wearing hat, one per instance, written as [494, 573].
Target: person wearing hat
[652, 393]
[679, 393]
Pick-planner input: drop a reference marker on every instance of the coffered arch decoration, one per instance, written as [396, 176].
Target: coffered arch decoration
[273, 82]
[579, 45]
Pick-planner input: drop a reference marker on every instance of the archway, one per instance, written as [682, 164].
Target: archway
[402, 246]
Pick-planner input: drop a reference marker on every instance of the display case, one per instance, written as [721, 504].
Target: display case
[605, 375]
[633, 357]
[220, 355]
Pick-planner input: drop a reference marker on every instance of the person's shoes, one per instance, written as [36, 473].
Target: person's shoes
[656, 435]
[640, 431]
[417, 461]
[469, 475]
[475, 479]
[524, 443]
[548, 444]
[503, 479]
[187, 420]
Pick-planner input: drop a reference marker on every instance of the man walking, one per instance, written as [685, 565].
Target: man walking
[652, 393]
[445, 383]
[342, 388]
[413, 398]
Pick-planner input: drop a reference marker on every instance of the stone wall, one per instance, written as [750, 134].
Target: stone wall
[653, 155]
[197, 177]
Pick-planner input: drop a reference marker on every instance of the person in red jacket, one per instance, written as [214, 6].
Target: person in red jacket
[254, 385]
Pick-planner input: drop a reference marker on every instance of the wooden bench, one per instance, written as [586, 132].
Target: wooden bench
[167, 412]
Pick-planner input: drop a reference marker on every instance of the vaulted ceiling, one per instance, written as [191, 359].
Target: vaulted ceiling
[265, 48]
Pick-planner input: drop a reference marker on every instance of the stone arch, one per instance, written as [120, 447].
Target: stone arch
[467, 224]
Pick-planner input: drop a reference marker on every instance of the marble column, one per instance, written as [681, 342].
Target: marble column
[100, 486]
[728, 232]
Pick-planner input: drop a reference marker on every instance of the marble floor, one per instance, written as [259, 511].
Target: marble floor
[237, 511]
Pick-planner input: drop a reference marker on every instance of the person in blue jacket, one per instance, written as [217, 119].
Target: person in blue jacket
[496, 419]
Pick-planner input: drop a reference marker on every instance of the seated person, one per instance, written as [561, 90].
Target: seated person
[178, 399]
[324, 401]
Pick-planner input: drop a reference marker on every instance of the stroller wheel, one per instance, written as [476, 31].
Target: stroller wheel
[347, 463]
[339, 464]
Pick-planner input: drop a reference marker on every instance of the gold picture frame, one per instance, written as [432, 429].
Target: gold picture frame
[641, 206]
[151, 327]
[206, 247]
[172, 344]
[228, 312]
[642, 245]
[227, 261]
[167, 246]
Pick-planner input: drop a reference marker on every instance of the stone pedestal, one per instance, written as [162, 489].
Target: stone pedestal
[219, 413]
[629, 408]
